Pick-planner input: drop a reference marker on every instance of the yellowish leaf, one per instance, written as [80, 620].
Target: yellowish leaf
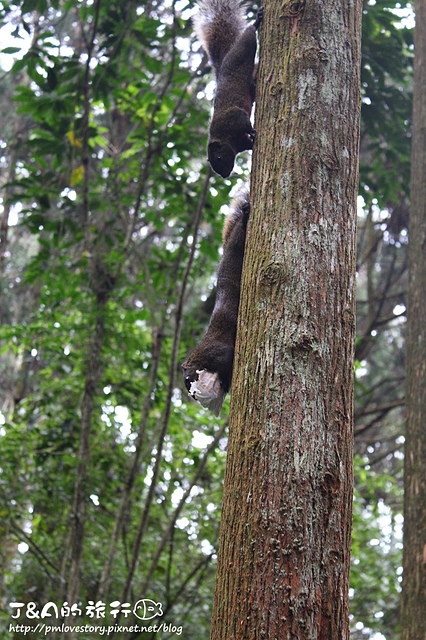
[73, 140]
[76, 176]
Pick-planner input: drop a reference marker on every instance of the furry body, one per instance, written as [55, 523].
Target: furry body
[215, 353]
[231, 47]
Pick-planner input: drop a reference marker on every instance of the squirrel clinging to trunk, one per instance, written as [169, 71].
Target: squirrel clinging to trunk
[231, 46]
[207, 371]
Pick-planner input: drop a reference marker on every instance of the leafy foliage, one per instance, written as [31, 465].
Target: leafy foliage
[106, 179]
[376, 552]
[386, 80]
[107, 273]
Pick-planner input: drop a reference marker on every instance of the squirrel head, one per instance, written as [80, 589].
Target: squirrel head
[210, 355]
[221, 158]
[206, 389]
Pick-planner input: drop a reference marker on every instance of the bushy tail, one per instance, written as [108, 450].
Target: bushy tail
[218, 24]
[240, 211]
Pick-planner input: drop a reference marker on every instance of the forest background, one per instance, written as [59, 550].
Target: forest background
[110, 236]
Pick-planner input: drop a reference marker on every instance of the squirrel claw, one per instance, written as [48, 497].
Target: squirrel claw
[259, 18]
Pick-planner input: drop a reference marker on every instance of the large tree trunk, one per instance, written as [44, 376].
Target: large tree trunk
[414, 577]
[286, 520]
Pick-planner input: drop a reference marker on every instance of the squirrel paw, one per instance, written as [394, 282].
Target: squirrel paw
[259, 18]
[250, 137]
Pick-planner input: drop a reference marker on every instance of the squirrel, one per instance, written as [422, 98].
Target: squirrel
[215, 353]
[231, 47]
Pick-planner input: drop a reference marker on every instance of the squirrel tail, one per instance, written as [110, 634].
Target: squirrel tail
[240, 211]
[218, 24]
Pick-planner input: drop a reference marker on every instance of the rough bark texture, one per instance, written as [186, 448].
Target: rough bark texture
[414, 577]
[286, 520]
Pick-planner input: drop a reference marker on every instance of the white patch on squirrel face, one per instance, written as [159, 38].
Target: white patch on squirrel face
[207, 391]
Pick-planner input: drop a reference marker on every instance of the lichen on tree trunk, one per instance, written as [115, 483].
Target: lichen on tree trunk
[286, 519]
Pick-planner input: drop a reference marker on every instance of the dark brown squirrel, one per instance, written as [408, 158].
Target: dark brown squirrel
[231, 46]
[215, 353]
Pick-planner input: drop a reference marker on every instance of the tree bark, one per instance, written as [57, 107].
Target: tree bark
[414, 561]
[284, 549]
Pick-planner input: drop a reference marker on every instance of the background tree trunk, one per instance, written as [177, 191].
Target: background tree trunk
[414, 581]
[286, 520]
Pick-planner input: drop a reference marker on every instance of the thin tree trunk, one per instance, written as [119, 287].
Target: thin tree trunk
[133, 471]
[168, 531]
[101, 285]
[136, 460]
[283, 567]
[195, 224]
[78, 512]
[414, 576]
